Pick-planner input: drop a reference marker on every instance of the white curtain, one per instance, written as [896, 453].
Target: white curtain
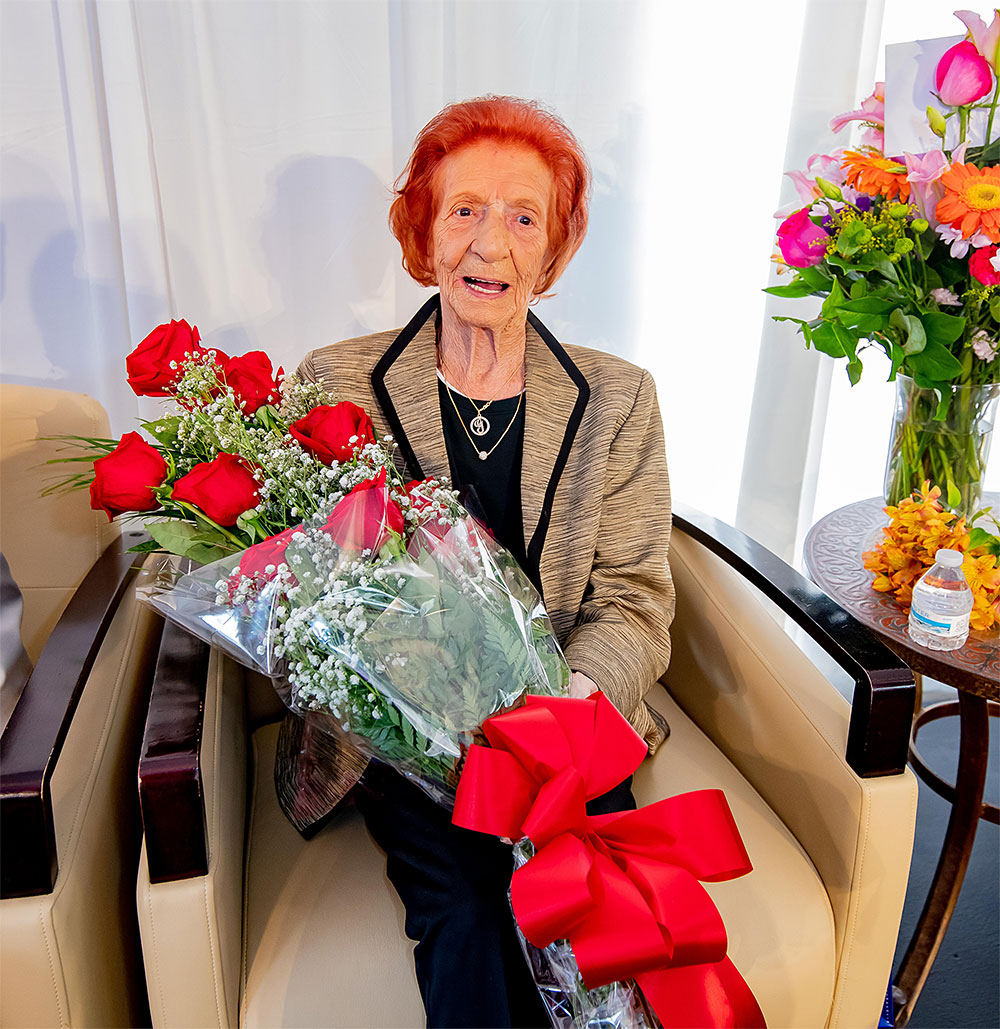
[836, 66]
[230, 163]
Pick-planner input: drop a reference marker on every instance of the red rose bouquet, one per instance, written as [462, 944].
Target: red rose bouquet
[381, 608]
[392, 618]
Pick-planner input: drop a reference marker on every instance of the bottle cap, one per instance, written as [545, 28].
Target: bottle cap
[950, 558]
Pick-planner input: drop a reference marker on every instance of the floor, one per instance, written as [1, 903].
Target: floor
[963, 989]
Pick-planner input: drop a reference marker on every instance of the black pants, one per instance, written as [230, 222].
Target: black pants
[453, 883]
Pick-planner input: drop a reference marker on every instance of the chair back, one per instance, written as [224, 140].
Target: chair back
[50, 542]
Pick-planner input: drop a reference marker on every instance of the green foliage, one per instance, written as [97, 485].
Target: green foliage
[194, 541]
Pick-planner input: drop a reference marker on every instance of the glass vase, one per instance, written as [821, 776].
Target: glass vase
[950, 450]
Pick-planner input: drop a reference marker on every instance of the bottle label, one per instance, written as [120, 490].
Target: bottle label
[940, 625]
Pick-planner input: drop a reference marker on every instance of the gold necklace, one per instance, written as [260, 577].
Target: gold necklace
[483, 454]
[479, 424]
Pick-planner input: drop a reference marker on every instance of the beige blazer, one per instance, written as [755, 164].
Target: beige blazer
[594, 490]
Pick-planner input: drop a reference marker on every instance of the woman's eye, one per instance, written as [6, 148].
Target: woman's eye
[524, 220]
[464, 212]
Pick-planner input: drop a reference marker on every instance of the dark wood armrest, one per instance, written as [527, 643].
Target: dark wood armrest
[884, 691]
[170, 787]
[33, 738]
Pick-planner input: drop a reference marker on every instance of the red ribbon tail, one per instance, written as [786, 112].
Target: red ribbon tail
[712, 996]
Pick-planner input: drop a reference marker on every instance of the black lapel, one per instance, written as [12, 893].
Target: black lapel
[572, 424]
[378, 375]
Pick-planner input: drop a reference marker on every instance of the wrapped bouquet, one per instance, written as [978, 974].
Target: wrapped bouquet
[387, 613]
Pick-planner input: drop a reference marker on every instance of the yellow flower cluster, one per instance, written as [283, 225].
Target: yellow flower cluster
[919, 527]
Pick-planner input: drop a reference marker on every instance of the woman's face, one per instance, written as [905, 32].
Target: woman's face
[489, 239]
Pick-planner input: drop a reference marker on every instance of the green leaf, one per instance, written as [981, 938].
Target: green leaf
[184, 539]
[995, 307]
[880, 263]
[867, 305]
[163, 429]
[816, 278]
[146, 547]
[792, 291]
[832, 303]
[983, 155]
[954, 495]
[912, 330]
[979, 537]
[852, 238]
[942, 328]
[935, 363]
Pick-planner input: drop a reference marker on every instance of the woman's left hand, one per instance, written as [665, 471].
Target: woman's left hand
[580, 686]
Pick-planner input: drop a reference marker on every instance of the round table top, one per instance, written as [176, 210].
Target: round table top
[832, 554]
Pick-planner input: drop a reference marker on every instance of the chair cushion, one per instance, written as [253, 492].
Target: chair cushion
[778, 918]
[324, 941]
[323, 929]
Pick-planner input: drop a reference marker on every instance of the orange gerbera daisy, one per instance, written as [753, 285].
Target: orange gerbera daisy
[869, 172]
[971, 202]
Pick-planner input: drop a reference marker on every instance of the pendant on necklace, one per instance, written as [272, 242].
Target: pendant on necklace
[480, 425]
[483, 455]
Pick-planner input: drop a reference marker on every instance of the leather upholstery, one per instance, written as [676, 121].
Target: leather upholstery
[812, 928]
[743, 681]
[50, 542]
[71, 957]
[191, 929]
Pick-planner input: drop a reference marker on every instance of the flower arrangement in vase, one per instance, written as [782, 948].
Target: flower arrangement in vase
[903, 250]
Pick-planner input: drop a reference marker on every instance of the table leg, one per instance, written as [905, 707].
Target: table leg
[973, 757]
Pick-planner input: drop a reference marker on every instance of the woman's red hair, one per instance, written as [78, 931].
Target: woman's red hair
[508, 120]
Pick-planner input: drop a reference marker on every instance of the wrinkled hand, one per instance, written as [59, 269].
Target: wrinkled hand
[580, 686]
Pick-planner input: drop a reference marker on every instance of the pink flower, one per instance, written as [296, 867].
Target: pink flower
[827, 166]
[986, 40]
[872, 113]
[983, 347]
[963, 75]
[923, 172]
[981, 266]
[801, 242]
[945, 297]
[958, 244]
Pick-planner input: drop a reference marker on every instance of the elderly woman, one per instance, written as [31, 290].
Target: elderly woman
[564, 447]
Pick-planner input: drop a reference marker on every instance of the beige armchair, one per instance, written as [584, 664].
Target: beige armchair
[69, 827]
[245, 923]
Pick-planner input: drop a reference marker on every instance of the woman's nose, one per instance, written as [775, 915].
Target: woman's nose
[492, 242]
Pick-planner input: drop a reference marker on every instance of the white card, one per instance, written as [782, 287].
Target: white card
[909, 80]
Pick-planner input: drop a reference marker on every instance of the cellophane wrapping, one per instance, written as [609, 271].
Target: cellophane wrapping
[403, 650]
[569, 1003]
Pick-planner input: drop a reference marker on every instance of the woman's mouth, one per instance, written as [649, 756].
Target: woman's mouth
[485, 287]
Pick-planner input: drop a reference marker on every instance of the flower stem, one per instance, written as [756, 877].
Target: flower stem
[993, 110]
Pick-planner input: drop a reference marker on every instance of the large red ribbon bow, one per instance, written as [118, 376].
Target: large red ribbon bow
[622, 888]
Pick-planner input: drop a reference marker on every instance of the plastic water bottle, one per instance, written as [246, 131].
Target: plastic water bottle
[942, 603]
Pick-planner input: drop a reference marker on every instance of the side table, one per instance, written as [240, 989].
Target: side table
[832, 554]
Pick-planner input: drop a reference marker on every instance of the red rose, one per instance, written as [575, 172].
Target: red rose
[326, 431]
[223, 488]
[364, 518]
[981, 269]
[124, 479]
[271, 551]
[149, 371]
[253, 380]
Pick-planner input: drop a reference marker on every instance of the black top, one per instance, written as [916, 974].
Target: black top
[497, 479]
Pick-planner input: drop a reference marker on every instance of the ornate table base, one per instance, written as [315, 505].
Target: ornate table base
[966, 798]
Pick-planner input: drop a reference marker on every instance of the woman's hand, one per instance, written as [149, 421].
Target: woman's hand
[580, 686]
